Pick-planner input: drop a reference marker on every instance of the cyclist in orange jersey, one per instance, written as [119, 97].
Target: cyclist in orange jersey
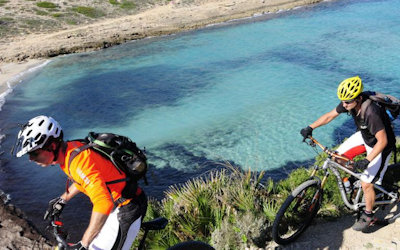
[115, 220]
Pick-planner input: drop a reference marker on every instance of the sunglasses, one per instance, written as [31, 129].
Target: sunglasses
[34, 154]
[349, 102]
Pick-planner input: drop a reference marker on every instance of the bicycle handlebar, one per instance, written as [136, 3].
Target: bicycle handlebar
[330, 152]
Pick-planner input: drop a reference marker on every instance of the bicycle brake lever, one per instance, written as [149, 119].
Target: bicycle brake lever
[311, 143]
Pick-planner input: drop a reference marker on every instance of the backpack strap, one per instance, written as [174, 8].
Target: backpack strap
[80, 149]
[364, 107]
[77, 151]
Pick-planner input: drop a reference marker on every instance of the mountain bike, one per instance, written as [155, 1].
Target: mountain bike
[303, 203]
[160, 223]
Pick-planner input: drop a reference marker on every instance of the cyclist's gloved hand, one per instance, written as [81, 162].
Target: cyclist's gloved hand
[306, 132]
[55, 208]
[77, 246]
[361, 164]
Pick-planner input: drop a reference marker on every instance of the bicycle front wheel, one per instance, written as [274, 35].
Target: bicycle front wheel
[297, 212]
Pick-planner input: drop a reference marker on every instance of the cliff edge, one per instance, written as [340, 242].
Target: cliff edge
[16, 232]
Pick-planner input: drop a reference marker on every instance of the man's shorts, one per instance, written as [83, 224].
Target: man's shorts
[354, 146]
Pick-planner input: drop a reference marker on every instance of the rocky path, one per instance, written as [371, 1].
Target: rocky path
[338, 234]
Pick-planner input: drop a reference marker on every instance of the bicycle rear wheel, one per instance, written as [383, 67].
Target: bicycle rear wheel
[297, 212]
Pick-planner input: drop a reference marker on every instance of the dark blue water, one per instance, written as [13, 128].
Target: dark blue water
[238, 93]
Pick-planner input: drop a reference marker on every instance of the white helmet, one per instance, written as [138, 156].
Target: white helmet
[36, 133]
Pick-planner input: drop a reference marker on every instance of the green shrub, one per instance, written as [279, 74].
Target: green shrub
[57, 15]
[47, 5]
[88, 11]
[202, 206]
[230, 209]
[3, 2]
[6, 20]
[71, 21]
[128, 5]
[41, 12]
[235, 231]
[397, 152]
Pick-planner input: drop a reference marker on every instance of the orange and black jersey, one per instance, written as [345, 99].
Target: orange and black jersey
[90, 172]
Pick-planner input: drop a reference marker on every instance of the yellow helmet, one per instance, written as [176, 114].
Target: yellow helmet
[350, 88]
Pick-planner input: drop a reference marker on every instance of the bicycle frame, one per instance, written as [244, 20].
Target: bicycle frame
[331, 166]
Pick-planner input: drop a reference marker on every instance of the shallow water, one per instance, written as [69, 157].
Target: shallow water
[238, 92]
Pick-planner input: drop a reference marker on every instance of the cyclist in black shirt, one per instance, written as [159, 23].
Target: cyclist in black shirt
[374, 136]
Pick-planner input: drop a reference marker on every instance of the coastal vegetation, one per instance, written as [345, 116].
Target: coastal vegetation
[88, 11]
[233, 209]
[3, 2]
[34, 16]
[47, 5]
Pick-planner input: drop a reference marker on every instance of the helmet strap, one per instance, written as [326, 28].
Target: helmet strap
[56, 151]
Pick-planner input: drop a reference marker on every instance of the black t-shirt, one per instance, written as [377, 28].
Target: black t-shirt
[375, 120]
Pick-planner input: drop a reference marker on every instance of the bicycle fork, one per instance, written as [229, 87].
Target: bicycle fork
[317, 194]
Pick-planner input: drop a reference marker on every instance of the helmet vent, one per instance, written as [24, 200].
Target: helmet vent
[41, 122]
[37, 136]
[30, 131]
[50, 126]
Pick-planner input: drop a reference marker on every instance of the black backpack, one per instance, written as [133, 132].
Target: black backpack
[121, 151]
[390, 103]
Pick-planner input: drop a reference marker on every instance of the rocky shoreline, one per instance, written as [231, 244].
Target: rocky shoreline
[159, 20]
[16, 232]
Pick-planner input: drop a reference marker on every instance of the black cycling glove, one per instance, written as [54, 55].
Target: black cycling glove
[361, 164]
[55, 208]
[77, 246]
[306, 132]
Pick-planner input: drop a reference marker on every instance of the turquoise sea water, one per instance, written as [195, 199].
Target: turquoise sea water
[238, 92]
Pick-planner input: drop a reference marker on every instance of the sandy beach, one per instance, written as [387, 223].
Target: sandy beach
[10, 73]
[20, 52]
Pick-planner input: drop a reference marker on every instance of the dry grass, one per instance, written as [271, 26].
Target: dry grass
[22, 17]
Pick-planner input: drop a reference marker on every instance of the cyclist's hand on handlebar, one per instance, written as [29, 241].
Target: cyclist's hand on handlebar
[77, 246]
[306, 132]
[361, 164]
[55, 208]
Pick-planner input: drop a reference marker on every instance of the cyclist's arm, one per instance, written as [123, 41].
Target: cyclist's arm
[72, 191]
[380, 145]
[97, 221]
[325, 119]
